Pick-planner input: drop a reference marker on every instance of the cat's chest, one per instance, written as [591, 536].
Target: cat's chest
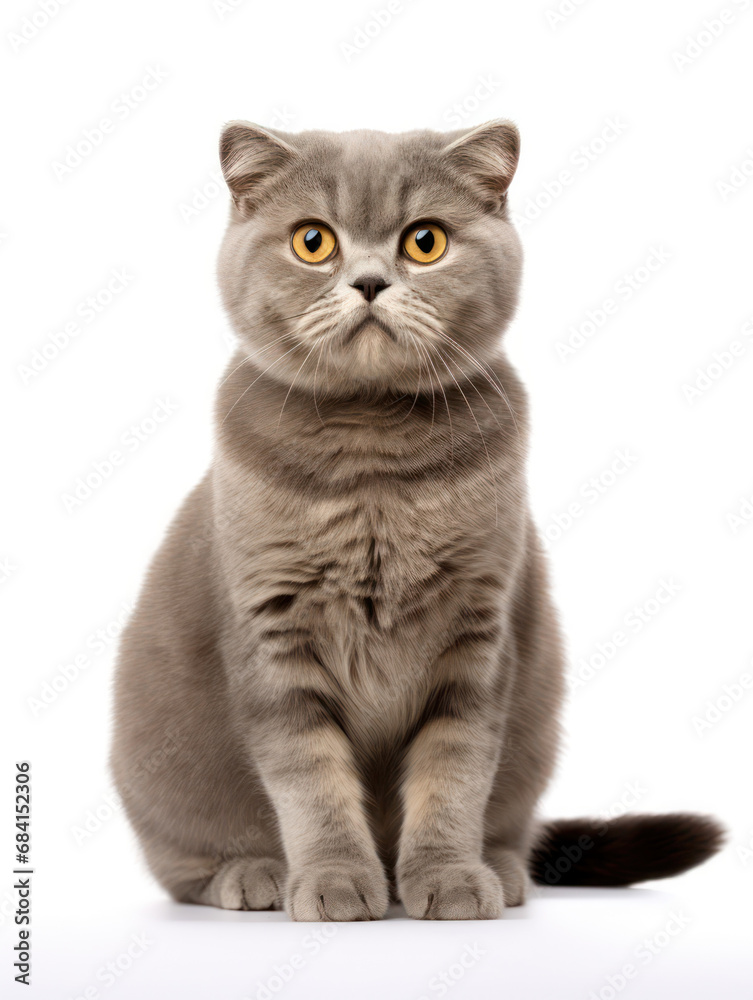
[364, 561]
[375, 580]
[376, 606]
[372, 557]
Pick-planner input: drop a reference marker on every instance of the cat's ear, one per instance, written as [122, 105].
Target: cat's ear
[489, 154]
[249, 154]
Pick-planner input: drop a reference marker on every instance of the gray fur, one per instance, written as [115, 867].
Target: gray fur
[348, 627]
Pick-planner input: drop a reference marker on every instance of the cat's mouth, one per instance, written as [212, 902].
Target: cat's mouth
[370, 323]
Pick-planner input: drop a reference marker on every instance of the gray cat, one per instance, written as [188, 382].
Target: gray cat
[343, 678]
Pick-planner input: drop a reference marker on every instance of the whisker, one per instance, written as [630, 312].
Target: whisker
[252, 357]
[480, 366]
[316, 372]
[478, 392]
[446, 403]
[312, 311]
[290, 388]
[293, 348]
[424, 352]
[326, 367]
[405, 362]
[483, 370]
[418, 388]
[481, 433]
[246, 359]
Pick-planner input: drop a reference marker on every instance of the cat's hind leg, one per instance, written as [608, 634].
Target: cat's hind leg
[511, 869]
[236, 883]
[510, 822]
[244, 884]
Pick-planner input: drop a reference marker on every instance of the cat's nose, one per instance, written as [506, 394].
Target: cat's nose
[370, 286]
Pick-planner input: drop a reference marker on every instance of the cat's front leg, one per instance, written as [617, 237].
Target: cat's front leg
[449, 773]
[307, 764]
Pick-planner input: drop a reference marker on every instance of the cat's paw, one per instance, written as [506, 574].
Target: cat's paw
[456, 891]
[337, 891]
[512, 872]
[247, 884]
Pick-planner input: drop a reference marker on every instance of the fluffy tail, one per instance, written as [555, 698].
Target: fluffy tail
[623, 850]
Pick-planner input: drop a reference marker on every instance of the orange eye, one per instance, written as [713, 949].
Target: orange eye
[313, 242]
[425, 242]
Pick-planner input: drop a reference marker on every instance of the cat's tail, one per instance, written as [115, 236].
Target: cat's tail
[623, 850]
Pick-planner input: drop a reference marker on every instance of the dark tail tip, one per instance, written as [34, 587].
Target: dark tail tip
[624, 850]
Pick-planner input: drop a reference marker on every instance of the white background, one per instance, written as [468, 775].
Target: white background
[680, 127]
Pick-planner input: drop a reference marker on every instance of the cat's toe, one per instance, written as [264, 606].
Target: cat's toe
[513, 873]
[337, 892]
[247, 884]
[459, 891]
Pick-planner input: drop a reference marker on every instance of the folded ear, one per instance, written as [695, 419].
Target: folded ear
[489, 155]
[249, 154]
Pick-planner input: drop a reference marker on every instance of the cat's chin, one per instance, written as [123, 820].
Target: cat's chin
[370, 350]
[371, 330]
[373, 357]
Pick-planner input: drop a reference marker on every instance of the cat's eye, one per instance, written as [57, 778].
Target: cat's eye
[313, 242]
[425, 242]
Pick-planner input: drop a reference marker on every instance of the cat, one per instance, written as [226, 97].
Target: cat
[342, 682]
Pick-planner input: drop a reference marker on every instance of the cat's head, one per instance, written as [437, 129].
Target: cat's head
[369, 259]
